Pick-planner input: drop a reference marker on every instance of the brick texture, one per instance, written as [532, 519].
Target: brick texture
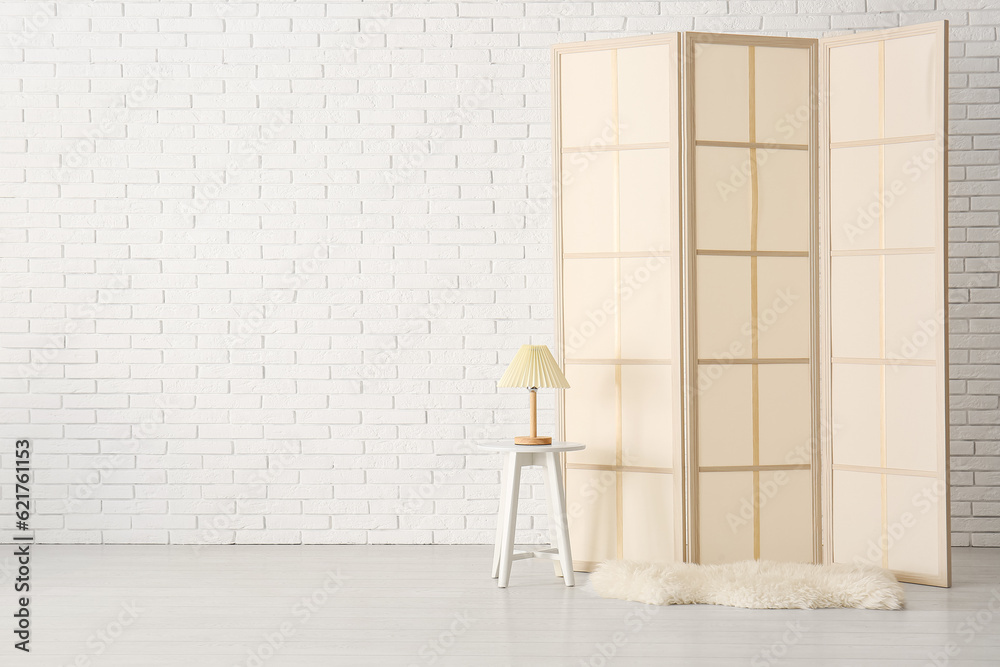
[263, 261]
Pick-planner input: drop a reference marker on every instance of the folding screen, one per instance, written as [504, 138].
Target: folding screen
[617, 292]
[691, 238]
[885, 342]
[752, 159]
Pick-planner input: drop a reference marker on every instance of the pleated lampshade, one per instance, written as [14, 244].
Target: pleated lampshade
[533, 366]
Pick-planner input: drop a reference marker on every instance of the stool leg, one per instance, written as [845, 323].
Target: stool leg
[501, 515]
[550, 497]
[512, 486]
[557, 512]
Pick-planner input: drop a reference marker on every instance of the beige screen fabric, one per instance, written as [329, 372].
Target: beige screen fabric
[885, 341]
[758, 371]
[618, 310]
[752, 159]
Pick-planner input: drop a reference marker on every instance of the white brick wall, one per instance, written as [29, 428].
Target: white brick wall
[263, 261]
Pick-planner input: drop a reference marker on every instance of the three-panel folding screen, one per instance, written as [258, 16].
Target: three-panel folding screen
[751, 270]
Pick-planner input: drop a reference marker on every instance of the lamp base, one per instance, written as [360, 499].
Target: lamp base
[531, 440]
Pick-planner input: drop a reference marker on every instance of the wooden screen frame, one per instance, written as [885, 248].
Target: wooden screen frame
[676, 471]
[940, 31]
[691, 366]
[685, 469]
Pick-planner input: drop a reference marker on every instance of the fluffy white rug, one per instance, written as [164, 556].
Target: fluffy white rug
[750, 584]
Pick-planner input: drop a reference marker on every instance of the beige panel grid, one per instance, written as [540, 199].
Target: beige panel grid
[617, 294]
[752, 308]
[885, 436]
[702, 355]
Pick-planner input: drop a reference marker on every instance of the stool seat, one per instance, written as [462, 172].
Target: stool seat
[515, 458]
[509, 446]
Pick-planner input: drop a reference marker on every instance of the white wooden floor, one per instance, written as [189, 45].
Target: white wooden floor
[250, 606]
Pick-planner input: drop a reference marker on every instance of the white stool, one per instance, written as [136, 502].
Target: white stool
[515, 458]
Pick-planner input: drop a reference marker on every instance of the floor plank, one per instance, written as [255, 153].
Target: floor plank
[299, 606]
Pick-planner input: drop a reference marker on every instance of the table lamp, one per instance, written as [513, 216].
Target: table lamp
[533, 367]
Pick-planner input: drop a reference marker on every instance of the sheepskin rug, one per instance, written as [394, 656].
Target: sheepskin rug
[750, 584]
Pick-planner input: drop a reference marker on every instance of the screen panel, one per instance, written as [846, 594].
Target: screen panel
[590, 412]
[589, 297]
[592, 516]
[751, 305]
[884, 228]
[786, 526]
[589, 199]
[615, 113]
[643, 201]
[648, 535]
[726, 516]
[646, 388]
[783, 201]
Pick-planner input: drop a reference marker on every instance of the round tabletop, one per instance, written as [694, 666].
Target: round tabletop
[509, 446]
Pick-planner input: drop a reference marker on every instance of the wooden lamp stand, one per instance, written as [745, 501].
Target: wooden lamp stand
[533, 439]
